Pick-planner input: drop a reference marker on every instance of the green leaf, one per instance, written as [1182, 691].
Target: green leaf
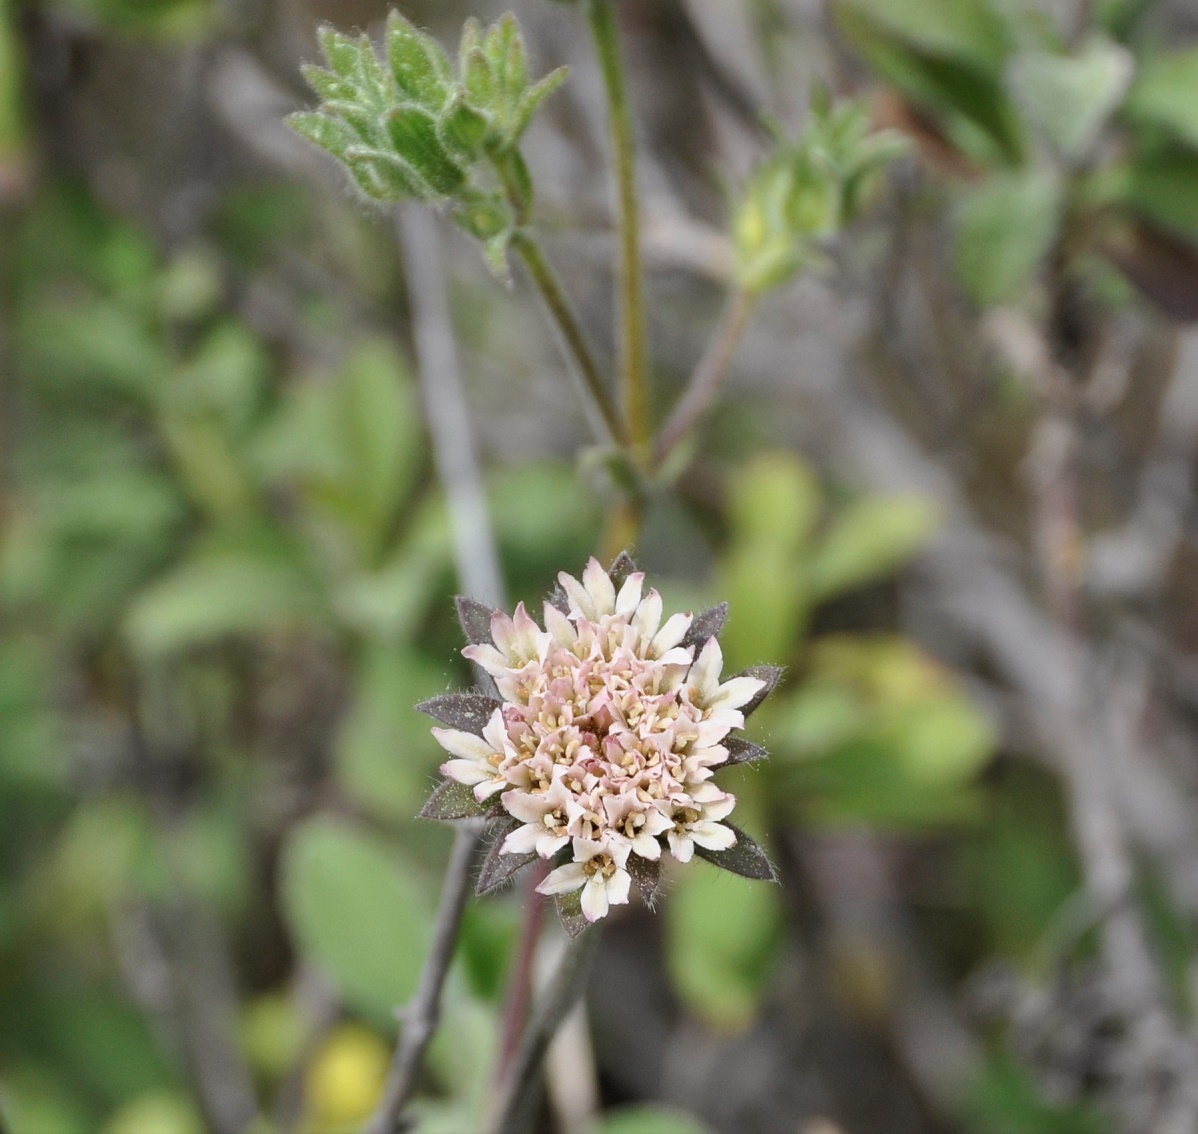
[1071, 98]
[972, 32]
[478, 76]
[330, 133]
[354, 444]
[775, 498]
[330, 87]
[868, 540]
[721, 934]
[1160, 188]
[1166, 94]
[340, 51]
[223, 592]
[504, 45]
[160, 1112]
[649, 1120]
[1005, 231]
[528, 105]
[965, 95]
[941, 742]
[385, 758]
[384, 176]
[37, 1100]
[356, 911]
[413, 133]
[461, 128]
[420, 66]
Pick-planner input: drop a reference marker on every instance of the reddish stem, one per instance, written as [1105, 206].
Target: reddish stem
[519, 997]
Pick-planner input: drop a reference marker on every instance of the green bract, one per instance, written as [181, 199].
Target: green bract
[406, 126]
[806, 192]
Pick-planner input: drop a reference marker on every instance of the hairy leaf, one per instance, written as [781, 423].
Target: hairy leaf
[475, 618]
[646, 874]
[705, 625]
[498, 869]
[623, 566]
[741, 751]
[569, 912]
[451, 801]
[746, 858]
[469, 712]
[770, 674]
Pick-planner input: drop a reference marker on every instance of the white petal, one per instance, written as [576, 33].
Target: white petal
[465, 771]
[617, 888]
[464, 744]
[713, 836]
[563, 879]
[739, 691]
[711, 732]
[680, 656]
[648, 617]
[681, 847]
[720, 808]
[579, 597]
[527, 808]
[560, 628]
[531, 641]
[670, 634]
[594, 896]
[548, 845]
[602, 590]
[488, 657]
[521, 840]
[647, 846]
[705, 673]
[629, 597]
[503, 633]
[484, 791]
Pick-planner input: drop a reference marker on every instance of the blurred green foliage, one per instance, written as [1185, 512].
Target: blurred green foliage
[1068, 147]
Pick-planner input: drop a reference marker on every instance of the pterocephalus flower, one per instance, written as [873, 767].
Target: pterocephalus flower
[600, 751]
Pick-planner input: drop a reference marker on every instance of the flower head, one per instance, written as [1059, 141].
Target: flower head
[601, 748]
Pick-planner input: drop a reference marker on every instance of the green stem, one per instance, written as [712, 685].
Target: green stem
[574, 339]
[633, 352]
[708, 375]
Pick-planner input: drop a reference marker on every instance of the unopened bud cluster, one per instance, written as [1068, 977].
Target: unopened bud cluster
[806, 192]
[406, 124]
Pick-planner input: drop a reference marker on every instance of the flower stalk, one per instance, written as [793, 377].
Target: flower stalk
[567, 985]
[592, 386]
[709, 375]
[634, 339]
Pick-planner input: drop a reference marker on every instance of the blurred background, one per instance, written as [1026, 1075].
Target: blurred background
[951, 489]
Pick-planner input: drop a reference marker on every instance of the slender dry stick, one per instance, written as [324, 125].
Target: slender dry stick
[708, 376]
[454, 449]
[634, 342]
[420, 1019]
[597, 400]
[566, 986]
[478, 570]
